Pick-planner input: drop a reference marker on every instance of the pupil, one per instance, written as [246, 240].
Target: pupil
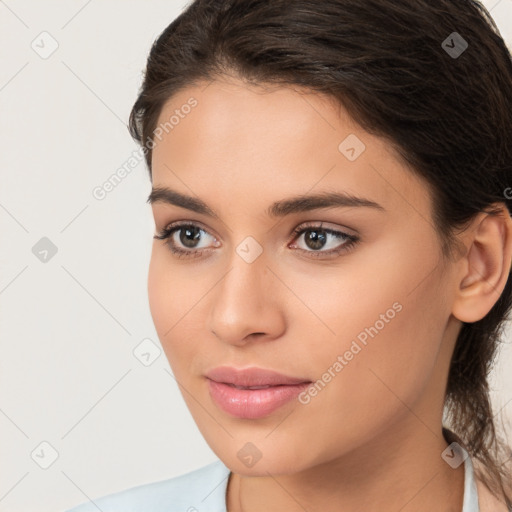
[317, 240]
[190, 231]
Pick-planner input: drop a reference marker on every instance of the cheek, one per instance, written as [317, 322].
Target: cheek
[172, 290]
[175, 304]
[382, 317]
[160, 293]
[388, 337]
[167, 294]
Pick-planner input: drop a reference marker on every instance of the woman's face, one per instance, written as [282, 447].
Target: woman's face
[366, 321]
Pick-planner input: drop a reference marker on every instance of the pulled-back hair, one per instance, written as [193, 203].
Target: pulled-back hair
[401, 73]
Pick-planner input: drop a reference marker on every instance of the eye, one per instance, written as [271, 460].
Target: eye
[317, 237]
[188, 235]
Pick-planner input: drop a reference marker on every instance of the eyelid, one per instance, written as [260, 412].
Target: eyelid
[182, 223]
[328, 226]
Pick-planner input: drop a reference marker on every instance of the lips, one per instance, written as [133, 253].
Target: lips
[252, 378]
[252, 393]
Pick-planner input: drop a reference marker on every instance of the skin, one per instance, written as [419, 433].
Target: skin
[371, 439]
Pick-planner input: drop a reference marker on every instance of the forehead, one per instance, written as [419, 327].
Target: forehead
[252, 113]
[242, 140]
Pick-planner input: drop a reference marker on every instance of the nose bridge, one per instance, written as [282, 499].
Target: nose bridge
[245, 299]
[248, 264]
[243, 285]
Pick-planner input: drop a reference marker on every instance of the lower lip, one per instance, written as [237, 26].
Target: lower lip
[255, 403]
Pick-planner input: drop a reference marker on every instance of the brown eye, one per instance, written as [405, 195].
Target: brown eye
[317, 238]
[186, 244]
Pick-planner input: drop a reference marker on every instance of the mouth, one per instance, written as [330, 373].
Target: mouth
[253, 392]
[252, 377]
[250, 387]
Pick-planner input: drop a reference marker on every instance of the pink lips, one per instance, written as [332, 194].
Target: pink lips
[252, 392]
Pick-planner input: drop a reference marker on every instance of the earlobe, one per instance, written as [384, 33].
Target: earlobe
[486, 267]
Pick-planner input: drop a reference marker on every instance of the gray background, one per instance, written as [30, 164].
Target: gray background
[70, 323]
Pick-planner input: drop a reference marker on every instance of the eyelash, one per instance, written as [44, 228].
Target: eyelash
[167, 232]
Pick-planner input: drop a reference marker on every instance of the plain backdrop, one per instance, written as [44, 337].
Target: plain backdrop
[80, 414]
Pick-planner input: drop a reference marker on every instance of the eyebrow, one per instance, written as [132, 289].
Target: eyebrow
[297, 204]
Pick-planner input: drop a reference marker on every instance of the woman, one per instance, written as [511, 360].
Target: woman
[330, 271]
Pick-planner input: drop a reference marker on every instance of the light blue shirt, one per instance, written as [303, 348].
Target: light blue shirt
[204, 490]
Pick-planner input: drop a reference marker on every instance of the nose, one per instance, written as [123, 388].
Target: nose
[246, 304]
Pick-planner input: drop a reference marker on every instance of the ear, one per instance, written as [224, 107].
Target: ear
[486, 266]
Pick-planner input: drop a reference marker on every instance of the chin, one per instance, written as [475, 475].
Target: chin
[274, 463]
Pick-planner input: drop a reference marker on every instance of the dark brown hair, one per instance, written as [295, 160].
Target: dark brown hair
[400, 71]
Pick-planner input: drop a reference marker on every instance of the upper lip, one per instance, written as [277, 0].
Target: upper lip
[252, 377]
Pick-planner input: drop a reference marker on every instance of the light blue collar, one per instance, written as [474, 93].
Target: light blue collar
[458, 452]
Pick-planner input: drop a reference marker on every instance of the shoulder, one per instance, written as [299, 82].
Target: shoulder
[488, 501]
[202, 489]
